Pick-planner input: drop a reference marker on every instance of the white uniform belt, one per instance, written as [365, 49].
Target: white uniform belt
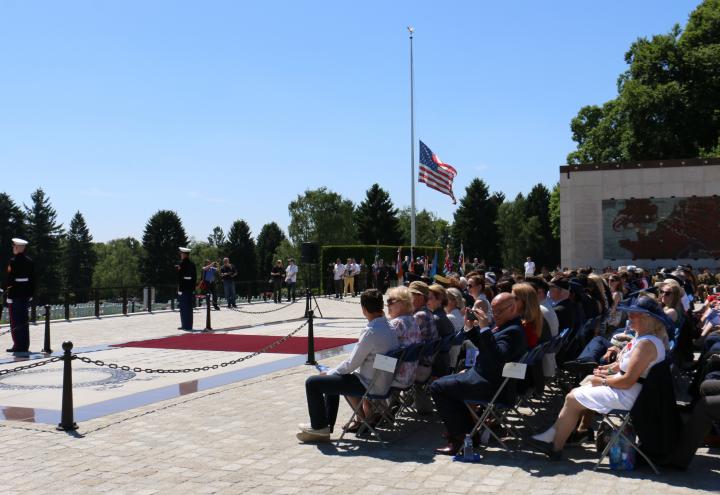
[22, 279]
[187, 278]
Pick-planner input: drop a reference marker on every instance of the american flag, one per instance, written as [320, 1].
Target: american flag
[434, 173]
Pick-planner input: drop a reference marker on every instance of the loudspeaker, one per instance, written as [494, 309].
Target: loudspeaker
[310, 252]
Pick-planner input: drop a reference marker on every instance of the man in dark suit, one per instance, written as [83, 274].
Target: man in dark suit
[497, 346]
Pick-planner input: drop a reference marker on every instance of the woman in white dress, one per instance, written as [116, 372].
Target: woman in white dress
[616, 385]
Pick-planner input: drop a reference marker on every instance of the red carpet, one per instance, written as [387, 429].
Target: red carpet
[237, 343]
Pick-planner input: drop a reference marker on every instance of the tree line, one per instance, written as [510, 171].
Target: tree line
[489, 227]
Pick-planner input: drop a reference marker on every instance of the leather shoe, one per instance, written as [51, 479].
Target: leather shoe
[10, 350]
[453, 447]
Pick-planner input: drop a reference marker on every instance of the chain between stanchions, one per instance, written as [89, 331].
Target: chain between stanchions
[262, 312]
[30, 366]
[267, 348]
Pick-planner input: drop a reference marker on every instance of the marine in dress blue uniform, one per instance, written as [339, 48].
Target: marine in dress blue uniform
[19, 288]
[186, 280]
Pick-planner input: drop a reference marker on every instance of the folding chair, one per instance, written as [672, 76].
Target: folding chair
[399, 400]
[379, 389]
[497, 409]
[624, 418]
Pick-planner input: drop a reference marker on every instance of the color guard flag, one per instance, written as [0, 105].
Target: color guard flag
[434, 173]
[461, 260]
[448, 261]
[433, 270]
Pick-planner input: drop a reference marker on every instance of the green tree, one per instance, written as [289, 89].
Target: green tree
[268, 240]
[475, 222]
[323, 216]
[44, 235]
[12, 224]
[510, 222]
[376, 218]
[163, 235]
[241, 251]
[668, 102]
[545, 251]
[217, 238]
[430, 230]
[118, 263]
[79, 257]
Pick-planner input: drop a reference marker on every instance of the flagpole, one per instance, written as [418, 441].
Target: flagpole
[411, 30]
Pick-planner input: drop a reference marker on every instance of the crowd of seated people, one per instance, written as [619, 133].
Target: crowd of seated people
[620, 324]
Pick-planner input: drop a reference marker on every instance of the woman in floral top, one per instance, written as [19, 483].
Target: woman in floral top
[400, 312]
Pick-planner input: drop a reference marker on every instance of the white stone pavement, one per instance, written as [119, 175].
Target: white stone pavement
[240, 438]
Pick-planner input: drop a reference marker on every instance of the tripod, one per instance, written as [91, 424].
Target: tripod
[309, 296]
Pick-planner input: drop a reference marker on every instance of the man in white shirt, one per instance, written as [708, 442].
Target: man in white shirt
[352, 376]
[349, 277]
[291, 279]
[529, 267]
[338, 272]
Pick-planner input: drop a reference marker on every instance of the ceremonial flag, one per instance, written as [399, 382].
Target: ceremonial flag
[433, 270]
[398, 267]
[461, 260]
[434, 173]
[448, 261]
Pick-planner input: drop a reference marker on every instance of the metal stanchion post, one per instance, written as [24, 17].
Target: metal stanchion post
[67, 423]
[33, 312]
[46, 347]
[208, 327]
[311, 340]
[307, 302]
[172, 303]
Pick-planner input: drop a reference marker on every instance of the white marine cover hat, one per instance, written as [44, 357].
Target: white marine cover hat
[184, 250]
[19, 242]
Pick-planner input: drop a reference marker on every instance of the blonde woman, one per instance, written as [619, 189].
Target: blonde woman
[613, 386]
[454, 308]
[530, 312]
[400, 318]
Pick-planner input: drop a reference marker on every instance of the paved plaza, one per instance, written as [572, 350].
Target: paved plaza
[239, 437]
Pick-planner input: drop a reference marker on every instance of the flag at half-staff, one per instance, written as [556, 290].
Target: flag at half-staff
[434, 173]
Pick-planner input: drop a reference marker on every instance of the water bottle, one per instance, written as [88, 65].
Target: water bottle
[615, 456]
[468, 449]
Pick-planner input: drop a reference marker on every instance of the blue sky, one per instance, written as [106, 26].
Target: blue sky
[222, 110]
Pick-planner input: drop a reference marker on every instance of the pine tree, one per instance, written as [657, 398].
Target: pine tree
[475, 222]
[163, 235]
[241, 251]
[377, 219]
[44, 235]
[537, 204]
[79, 258]
[12, 224]
[268, 241]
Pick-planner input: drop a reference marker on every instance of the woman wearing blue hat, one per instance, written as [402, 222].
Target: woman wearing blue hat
[613, 386]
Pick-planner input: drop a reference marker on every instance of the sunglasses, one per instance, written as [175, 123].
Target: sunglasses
[665, 292]
[391, 301]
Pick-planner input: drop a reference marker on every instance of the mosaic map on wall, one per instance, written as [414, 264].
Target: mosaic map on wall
[661, 228]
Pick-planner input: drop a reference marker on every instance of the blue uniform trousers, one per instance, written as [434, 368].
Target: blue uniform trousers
[185, 300]
[19, 324]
